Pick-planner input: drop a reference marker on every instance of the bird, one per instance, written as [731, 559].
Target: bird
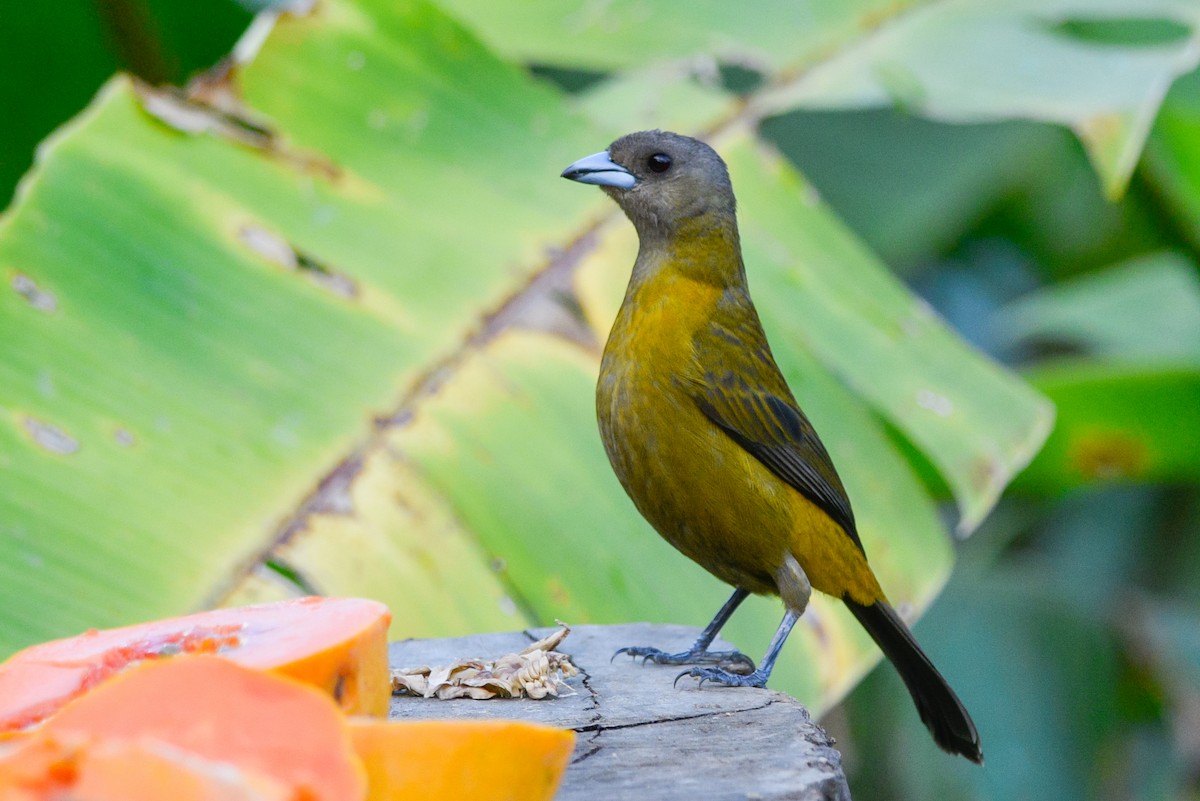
[708, 440]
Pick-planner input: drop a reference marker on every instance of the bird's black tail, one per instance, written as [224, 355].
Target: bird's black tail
[941, 711]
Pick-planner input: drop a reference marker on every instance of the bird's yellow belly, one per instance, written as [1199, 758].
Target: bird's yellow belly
[696, 491]
[712, 500]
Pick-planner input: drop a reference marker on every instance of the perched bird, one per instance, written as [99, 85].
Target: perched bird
[705, 436]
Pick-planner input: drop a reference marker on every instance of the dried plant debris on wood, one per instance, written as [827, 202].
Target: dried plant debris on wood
[536, 672]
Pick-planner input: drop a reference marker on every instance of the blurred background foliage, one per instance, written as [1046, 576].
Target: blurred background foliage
[1073, 616]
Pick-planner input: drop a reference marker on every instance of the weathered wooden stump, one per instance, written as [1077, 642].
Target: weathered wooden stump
[640, 738]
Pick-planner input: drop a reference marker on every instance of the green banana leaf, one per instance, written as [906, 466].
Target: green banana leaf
[1173, 158]
[1099, 68]
[330, 322]
[1127, 387]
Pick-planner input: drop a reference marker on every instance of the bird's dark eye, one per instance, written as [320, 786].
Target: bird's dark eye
[659, 162]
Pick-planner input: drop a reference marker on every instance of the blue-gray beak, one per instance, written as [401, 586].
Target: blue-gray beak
[599, 169]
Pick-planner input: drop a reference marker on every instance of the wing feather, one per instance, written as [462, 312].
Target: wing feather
[745, 395]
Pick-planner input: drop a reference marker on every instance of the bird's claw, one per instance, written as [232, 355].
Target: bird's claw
[734, 662]
[722, 677]
[636, 650]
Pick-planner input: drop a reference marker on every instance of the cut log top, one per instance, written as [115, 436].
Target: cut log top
[639, 738]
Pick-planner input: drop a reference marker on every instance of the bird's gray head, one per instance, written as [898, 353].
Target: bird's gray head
[660, 179]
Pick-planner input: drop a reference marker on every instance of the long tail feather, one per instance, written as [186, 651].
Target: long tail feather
[941, 711]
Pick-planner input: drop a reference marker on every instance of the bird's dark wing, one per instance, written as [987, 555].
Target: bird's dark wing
[743, 392]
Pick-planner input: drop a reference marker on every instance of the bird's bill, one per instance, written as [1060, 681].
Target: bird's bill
[600, 170]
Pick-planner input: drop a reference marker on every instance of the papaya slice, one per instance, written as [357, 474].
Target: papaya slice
[33, 767]
[206, 710]
[153, 771]
[48, 768]
[448, 760]
[336, 644]
[149, 770]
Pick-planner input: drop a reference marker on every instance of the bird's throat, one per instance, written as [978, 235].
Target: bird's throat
[705, 249]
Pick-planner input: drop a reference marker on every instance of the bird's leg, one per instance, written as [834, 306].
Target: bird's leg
[759, 677]
[733, 661]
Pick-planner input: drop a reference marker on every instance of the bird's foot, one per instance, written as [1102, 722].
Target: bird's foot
[728, 662]
[756, 678]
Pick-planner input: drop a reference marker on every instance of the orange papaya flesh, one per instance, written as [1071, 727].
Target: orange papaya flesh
[149, 770]
[79, 768]
[267, 725]
[336, 644]
[37, 767]
[449, 760]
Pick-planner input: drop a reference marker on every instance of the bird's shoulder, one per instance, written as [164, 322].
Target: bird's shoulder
[737, 384]
[731, 347]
